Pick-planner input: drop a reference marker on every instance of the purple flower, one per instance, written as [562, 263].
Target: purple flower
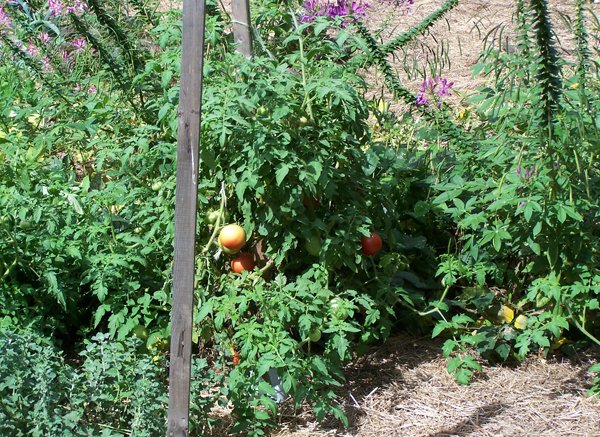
[44, 37]
[48, 68]
[92, 89]
[31, 49]
[527, 174]
[5, 20]
[333, 9]
[77, 8]
[444, 89]
[59, 8]
[56, 7]
[436, 88]
[421, 99]
[79, 44]
[397, 3]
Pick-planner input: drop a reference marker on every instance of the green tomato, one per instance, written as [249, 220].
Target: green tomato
[314, 335]
[313, 245]
[156, 186]
[25, 224]
[337, 309]
[212, 217]
[261, 110]
[140, 332]
[303, 121]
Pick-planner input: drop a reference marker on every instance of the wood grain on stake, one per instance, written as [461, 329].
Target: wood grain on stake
[240, 11]
[185, 216]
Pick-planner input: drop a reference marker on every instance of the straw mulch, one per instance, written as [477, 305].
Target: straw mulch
[403, 389]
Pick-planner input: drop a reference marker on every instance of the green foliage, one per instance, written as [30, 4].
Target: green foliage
[87, 186]
[115, 390]
[503, 211]
[521, 189]
[595, 389]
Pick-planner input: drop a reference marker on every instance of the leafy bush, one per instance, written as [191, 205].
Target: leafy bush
[88, 145]
[522, 194]
[288, 153]
[115, 391]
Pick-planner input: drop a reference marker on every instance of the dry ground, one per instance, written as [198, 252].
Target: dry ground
[402, 388]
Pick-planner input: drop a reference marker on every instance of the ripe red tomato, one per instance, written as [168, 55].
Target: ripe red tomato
[371, 245]
[232, 238]
[244, 261]
[236, 360]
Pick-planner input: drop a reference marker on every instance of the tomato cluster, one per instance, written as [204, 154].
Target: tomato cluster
[232, 238]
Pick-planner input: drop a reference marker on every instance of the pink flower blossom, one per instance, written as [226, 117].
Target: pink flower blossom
[79, 44]
[77, 8]
[333, 9]
[59, 8]
[44, 37]
[5, 21]
[56, 7]
[32, 49]
[92, 89]
[436, 88]
[48, 68]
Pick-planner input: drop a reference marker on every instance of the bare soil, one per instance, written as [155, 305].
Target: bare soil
[402, 388]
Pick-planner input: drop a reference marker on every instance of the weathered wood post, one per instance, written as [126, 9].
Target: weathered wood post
[240, 12]
[186, 194]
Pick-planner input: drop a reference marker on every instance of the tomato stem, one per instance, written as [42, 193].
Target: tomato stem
[218, 226]
[374, 267]
[303, 70]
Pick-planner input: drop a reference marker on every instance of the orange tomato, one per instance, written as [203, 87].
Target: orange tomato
[232, 237]
[244, 261]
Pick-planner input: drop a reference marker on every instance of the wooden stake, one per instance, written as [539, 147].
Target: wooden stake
[240, 12]
[186, 194]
